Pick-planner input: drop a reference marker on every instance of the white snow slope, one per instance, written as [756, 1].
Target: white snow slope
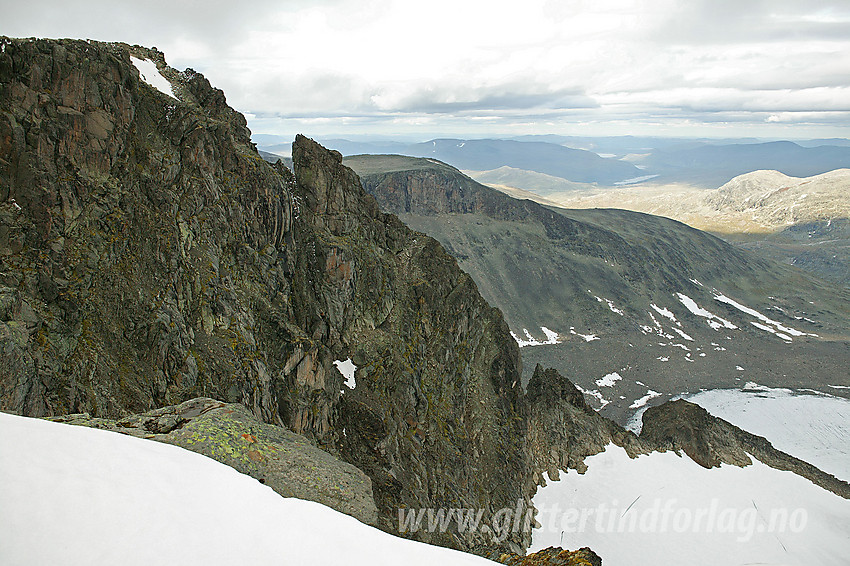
[77, 496]
[665, 509]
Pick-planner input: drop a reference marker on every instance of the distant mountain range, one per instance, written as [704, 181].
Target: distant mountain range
[801, 221]
[576, 165]
[714, 165]
[609, 161]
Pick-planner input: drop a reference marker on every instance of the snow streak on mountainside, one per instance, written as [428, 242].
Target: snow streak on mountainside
[149, 73]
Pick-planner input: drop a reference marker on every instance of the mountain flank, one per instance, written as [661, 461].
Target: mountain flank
[798, 221]
[632, 300]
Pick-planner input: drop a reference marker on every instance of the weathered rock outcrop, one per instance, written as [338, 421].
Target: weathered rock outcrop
[563, 429]
[285, 461]
[148, 255]
[711, 441]
[437, 417]
[554, 556]
[142, 243]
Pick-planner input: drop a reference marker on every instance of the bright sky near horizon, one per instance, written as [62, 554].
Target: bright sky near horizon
[768, 68]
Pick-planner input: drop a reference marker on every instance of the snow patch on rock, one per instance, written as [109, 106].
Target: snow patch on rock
[151, 75]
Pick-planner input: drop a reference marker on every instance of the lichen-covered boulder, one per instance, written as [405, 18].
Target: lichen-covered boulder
[285, 461]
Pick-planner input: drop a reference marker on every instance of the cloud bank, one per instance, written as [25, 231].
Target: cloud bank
[777, 68]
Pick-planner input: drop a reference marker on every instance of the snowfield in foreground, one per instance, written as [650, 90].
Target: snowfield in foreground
[811, 426]
[666, 509]
[71, 495]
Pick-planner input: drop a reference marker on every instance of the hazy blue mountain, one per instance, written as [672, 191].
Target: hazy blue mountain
[703, 162]
[576, 165]
[625, 145]
[714, 165]
[829, 141]
[573, 164]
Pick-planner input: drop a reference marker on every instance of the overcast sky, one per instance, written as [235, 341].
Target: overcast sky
[772, 68]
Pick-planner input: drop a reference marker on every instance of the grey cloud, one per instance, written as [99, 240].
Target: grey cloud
[683, 49]
[496, 99]
[317, 93]
[751, 102]
[216, 24]
[721, 21]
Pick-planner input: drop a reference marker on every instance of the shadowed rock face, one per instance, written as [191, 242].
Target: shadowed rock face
[149, 256]
[438, 404]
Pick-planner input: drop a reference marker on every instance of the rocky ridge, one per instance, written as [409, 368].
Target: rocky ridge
[563, 430]
[711, 441]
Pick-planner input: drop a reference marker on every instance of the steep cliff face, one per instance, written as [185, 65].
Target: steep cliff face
[437, 416]
[148, 255]
[563, 429]
[142, 240]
